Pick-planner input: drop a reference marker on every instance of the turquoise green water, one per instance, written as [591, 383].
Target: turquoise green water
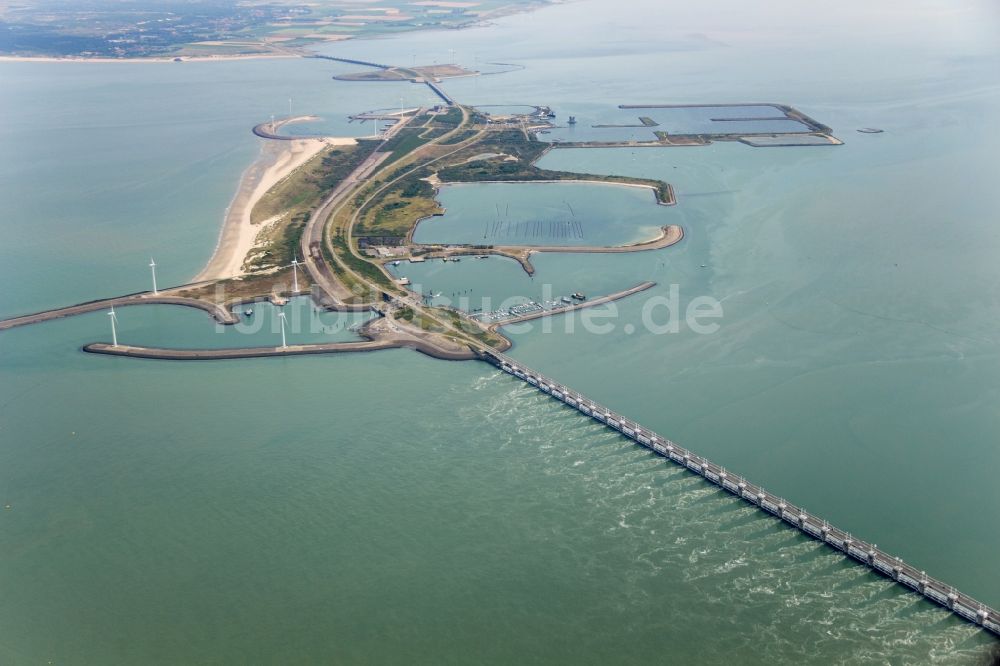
[545, 214]
[122, 162]
[175, 326]
[389, 508]
[149, 524]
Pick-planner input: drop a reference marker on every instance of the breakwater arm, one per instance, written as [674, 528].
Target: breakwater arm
[168, 354]
[643, 286]
[218, 312]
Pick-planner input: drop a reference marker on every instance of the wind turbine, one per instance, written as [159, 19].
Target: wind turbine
[152, 267]
[295, 274]
[114, 332]
[281, 316]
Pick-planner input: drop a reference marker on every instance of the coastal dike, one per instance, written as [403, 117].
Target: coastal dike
[669, 235]
[164, 354]
[270, 130]
[867, 554]
[218, 312]
[601, 300]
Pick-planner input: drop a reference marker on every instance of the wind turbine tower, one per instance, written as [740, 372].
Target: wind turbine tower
[152, 268]
[295, 274]
[281, 316]
[114, 332]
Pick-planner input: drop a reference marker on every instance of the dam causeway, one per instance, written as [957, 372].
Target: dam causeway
[816, 528]
[428, 81]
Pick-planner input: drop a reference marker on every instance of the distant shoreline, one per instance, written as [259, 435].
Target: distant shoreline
[484, 20]
[173, 59]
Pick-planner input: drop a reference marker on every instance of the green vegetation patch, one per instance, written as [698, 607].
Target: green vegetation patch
[365, 269]
[451, 118]
[527, 150]
[303, 190]
[397, 209]
[469, 328]
[459, 137]
[247, 288]
[288, 205]
[282, 245]
[404, 142]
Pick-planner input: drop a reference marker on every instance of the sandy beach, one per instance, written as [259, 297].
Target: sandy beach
[277, 160]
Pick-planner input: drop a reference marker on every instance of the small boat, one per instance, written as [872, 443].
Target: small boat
[248, 312]
[567, 299]
[579, 296]
[396, 263]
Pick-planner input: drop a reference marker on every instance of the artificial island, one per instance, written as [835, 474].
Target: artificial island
[325, 217]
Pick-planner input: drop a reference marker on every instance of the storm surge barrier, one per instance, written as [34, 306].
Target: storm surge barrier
[350, 61]
[867, 554]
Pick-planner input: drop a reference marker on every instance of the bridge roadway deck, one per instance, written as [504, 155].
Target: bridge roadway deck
[439, 91]
[350, 61]
[865, 553]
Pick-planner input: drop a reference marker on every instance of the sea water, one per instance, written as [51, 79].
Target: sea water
[390, 508]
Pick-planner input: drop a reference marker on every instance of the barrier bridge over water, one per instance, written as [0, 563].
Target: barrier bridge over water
[867, 554]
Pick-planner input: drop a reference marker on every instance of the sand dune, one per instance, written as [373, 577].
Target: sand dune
[276, 161]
